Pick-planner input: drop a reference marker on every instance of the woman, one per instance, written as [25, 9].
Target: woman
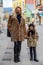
[17, 29]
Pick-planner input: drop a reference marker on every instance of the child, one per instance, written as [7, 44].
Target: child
[32, 36]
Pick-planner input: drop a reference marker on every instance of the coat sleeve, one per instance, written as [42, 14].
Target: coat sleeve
[27, 33]
[9, 25]
[37, 37]
[24, 28]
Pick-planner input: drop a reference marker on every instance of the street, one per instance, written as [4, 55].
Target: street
[7, 55]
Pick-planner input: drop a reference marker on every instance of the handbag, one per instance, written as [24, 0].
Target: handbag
[8, 33]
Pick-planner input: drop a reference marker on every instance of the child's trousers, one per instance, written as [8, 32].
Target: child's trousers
[33, 53]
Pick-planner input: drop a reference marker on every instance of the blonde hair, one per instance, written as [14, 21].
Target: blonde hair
[18, 7]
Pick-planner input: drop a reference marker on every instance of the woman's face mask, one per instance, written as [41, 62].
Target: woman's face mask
[18, 13]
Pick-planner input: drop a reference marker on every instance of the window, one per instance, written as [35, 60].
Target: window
[1, 3]
[32, 15]
[40, 8]
[38, 2]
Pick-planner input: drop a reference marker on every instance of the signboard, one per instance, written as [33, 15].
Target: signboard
[7, 10]
[30, 1]
[41, 14]
[7, 3]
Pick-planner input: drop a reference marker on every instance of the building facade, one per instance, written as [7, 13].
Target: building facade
[38, 4]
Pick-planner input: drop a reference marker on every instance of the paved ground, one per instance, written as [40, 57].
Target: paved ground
[6, 50]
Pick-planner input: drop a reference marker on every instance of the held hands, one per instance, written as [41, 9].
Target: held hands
[26, 37]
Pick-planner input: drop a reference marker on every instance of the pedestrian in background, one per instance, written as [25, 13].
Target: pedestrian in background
[32, 36]
[18, 32]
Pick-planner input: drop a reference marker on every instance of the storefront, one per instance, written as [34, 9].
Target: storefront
[28, 16]
[41, 18]
[41, 13]
[16, 3]
[7, 8]
[1, 17]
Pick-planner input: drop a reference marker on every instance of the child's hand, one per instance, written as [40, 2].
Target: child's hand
[28, 37]
[25, 37]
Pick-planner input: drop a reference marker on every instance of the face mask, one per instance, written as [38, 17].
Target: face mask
[18, 13]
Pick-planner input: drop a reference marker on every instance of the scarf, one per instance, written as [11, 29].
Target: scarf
[19, 18]
[32, 32]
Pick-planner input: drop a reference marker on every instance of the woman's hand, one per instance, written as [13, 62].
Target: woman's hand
[26, 37]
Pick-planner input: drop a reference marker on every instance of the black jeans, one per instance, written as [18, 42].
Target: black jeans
[33, 52]
[17, 48]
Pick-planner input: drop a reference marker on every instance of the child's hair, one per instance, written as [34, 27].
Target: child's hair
[32, 26]
[32, 31]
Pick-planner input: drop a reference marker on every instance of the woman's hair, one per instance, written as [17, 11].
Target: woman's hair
[17, 7]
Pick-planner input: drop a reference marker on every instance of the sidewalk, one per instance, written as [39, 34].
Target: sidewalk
[3, 44]
[6, 52]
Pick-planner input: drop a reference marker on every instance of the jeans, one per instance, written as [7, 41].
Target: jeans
[17, 48]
